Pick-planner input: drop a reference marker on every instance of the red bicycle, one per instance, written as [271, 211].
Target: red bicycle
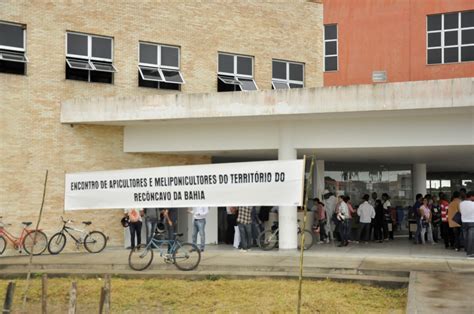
[31, 241]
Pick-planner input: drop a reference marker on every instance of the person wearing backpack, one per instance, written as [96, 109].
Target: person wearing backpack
[134, 225]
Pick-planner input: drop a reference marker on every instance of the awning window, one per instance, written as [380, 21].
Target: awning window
[150, 74]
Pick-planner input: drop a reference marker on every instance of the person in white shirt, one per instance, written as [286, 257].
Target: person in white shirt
[330, 206]
[366, 213]
[199, 224]
[467, 216]
[343, 217]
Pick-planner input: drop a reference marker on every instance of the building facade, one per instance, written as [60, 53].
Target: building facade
[105, 49]
[112, 85]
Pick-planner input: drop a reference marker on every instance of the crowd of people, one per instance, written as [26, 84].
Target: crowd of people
[436, 218]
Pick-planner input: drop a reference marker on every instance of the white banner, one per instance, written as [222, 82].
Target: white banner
[278, 183]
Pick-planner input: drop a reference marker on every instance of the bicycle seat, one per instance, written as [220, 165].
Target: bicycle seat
[87, 222]
[27, 223]
[178, 234]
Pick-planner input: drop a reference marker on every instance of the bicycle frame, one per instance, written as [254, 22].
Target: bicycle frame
[17, 241]
[66, 229]
[158, 243]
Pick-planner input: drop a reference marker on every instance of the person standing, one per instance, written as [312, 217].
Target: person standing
[343, 217]
[446, 232]
[453, 208]
[330, 202]
[379, 225]
[244, 221]
[425, 214]
[416, 214]
[152, 216]
[320, 215]
[199, 225]
[387, 217]
[134, 225]
[231, 223]
[467, 214]
[352, 212]
[366, 213]
[435, 217]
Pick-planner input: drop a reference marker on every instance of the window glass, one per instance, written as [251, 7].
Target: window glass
[101, 48]
[434, 56]
[104, 67]
[77, 44]
[169, 56]
[11, 35]
[468, 36]
[280, 85]
[330, 32]
[450, 55]
[467, 19]
[279, 70]
[244, 65]
[434, 39]
[434, 22]
[293, 85]
[467, 53]
[450, 38]
[226, 63]
[451, 20]
[148, 54]
[14, 57]
[331, 47]
[79, 64]
[151, 74]
[247, 84]
[172, 76]
[296, 72]
[330, 63]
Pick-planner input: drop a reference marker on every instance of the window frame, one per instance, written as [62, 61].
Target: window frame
[236, 75]
[158, 66]
[442, 32]
[337, 47]
[3, 47]
[234, 55]
[89, 48]
[287, 81]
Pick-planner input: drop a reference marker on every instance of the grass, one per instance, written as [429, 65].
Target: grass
[212, 295]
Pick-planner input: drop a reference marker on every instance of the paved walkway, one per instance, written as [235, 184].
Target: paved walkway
[393, 258]
[440, 293]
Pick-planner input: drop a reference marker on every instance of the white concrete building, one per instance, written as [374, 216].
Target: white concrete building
[423, 125]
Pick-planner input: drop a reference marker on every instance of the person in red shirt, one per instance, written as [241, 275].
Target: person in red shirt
[446, 232]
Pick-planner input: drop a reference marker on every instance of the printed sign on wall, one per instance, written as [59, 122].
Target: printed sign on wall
[263, 183]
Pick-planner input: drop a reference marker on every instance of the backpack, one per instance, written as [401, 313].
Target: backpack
[134, 215]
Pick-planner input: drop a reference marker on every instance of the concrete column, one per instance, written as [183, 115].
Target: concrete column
[287, 215]
[419, 179]
[319, 178]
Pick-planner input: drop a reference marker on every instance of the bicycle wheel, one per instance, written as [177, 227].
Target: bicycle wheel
[267, 240]
[140, 258]
[57, 243]
[308, 239]
[35, 246]
[95, 242]
[3, 245]
[186, 256]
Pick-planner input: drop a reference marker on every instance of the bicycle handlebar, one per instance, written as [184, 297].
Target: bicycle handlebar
[66, 221]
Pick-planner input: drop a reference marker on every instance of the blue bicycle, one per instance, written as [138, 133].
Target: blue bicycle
[185, 256]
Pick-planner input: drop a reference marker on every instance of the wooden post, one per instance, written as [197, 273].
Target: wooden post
[104, 303]
[73, 298]
[44, 294]
[101, 300]
[7, 306]
[107, 294]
